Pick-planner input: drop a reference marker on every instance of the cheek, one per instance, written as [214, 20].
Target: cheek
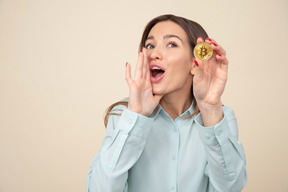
[180, 62]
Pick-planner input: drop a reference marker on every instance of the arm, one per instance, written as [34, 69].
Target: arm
[126, 135]
[122, 146]
[217, 125]
[226, 167]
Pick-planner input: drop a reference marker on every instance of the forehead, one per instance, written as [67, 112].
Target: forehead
[167, 27]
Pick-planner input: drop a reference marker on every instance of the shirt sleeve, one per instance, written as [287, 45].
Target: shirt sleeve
[226, 161]
[122, 146]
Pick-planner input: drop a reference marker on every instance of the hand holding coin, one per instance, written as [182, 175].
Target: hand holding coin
[210, 73]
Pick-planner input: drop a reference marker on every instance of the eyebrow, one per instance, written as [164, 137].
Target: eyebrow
[165, 37]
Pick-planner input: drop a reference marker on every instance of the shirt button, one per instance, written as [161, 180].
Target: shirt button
[172, 188]
[208, 136]
[174, 158]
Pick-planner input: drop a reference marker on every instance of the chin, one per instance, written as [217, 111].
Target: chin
[157, 91]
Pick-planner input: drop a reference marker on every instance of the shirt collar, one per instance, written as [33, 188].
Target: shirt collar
[187, 113]
[156, 111]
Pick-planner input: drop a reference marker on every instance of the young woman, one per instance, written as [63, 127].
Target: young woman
[173, 133]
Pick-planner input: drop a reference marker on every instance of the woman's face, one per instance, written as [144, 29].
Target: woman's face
[170, 59]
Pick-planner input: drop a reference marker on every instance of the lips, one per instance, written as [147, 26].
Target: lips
[157, 73]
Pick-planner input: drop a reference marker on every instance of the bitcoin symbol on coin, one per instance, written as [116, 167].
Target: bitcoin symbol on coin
[203, 51]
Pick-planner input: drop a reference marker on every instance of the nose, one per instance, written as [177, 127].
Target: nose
[155, 53]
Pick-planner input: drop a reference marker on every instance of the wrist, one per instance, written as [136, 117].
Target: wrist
[139, 111]
[209, 108]
[211, 114]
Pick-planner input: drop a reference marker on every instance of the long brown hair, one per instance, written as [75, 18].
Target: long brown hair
[193, 31]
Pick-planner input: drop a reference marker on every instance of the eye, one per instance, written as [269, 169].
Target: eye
[172, 44]
[149, 46]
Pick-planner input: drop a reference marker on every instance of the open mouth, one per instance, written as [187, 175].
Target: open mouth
[156, 72]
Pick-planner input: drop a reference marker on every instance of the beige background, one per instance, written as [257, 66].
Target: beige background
[62, 64]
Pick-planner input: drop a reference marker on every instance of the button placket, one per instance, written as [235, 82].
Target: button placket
[175, 131]
[173, 156]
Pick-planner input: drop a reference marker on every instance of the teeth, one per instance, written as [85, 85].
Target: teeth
[157, 68]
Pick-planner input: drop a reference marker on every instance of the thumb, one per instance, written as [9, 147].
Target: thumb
[198, 73]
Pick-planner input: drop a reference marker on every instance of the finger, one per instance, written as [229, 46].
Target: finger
[215, 46]
[223, 60]
[128, 74]
[146, 66]
[201, 64]
[218, 49]
[200, 40]
[209, 40]
[145, 63]
[198, 75]
[139, 67]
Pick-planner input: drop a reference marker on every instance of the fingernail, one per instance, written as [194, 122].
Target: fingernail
[196, 63]
[209, 39]
[219, 54]
[126, 64]
[201, 37]
[214, 44]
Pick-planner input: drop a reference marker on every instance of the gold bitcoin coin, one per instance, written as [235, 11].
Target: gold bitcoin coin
[203, 51]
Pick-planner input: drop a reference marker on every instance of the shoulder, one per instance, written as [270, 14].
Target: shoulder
[114, 112]
[120, 105]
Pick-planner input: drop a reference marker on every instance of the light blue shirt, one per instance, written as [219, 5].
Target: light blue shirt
[157, 154]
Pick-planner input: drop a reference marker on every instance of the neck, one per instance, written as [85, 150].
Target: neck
[176, 103]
